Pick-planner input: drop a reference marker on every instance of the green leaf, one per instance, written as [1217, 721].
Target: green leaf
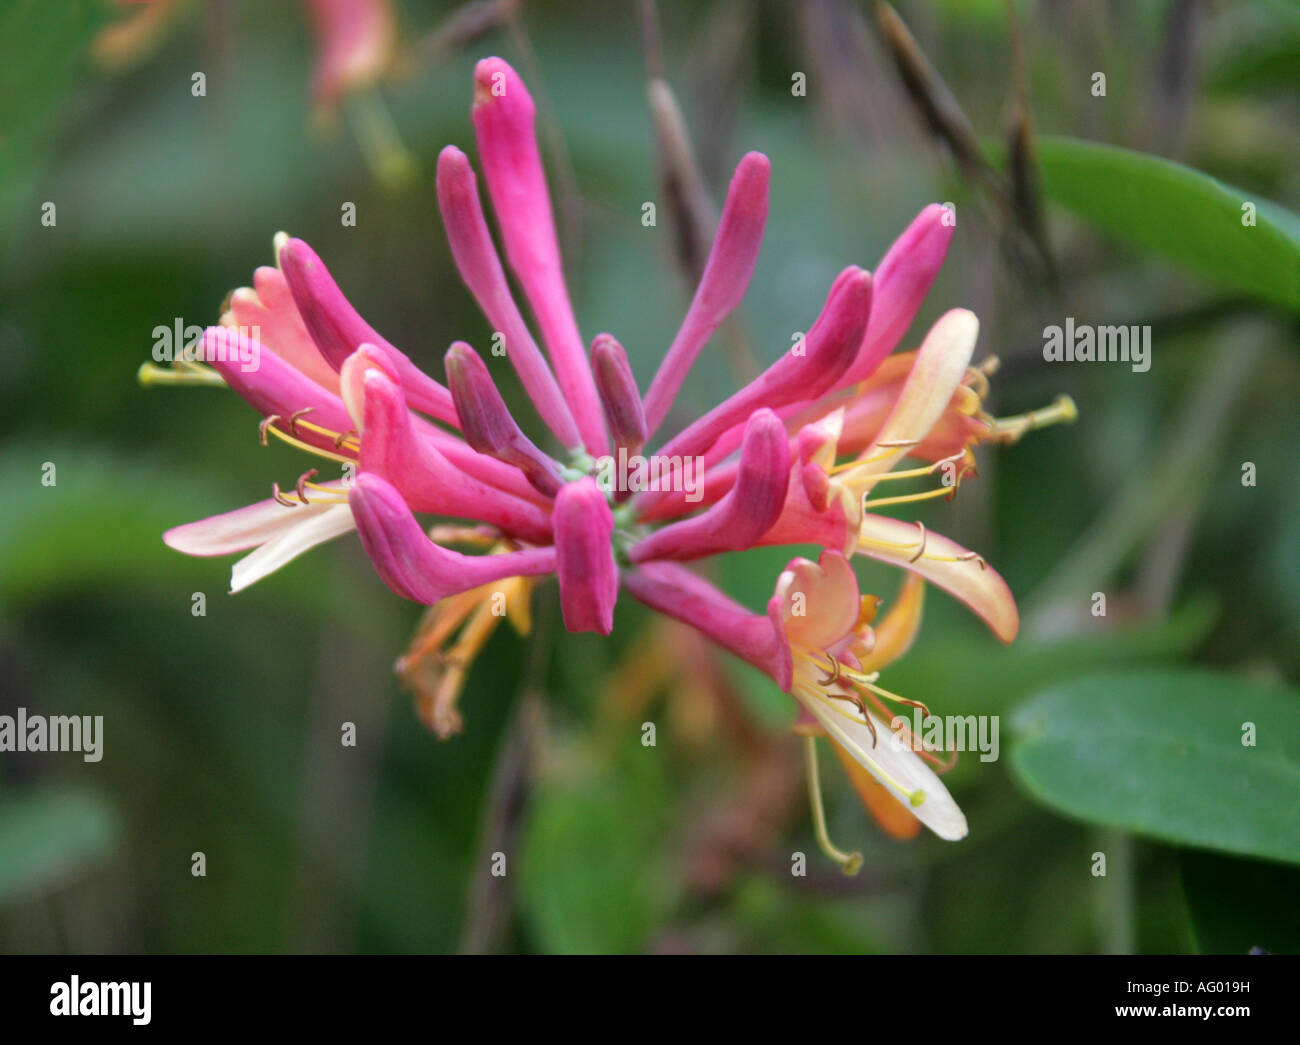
[1239, 904]
[591, 880]
[1179, 212]
[50, 836]
[1165, 754]
[1007, 674]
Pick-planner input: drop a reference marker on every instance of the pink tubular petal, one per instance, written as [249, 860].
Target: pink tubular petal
[678, 593]
[494, 473]
[944, 563]
[827, 350]
[339, 330]
[801, 522]
[480, 268]
[585, 562]
[426, 478]
[902, 280]
[266, 311]
[486, 421]
[512, 165]
[814, 444]
[726, 276]
[273, 387]
[749, 509]
[352, 376]
[414, 566]
[618, 393]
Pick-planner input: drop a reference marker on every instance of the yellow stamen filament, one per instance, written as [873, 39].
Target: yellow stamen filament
[339, 438]
[910, 473]
[298, 443]
[867, 680]
[891, 447]
[911, 498]
[850, 863]
[333, 494]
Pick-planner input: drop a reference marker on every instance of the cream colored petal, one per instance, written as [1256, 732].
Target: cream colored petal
[940, 365]
[944, 563]
[242, 528]
[899, 769]
[310, 531]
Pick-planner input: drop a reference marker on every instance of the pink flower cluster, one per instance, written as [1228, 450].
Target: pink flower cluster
[788, 459]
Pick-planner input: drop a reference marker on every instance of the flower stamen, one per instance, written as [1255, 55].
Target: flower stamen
[268, 425]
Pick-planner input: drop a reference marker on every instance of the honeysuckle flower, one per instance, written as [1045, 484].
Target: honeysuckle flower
[355, 43]
[790, 458]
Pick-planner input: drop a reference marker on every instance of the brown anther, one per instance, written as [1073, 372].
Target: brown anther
[925, 711]
[867, 719]
[302, 481]
[281, 498]
[950, 459]
[264, 424]
[856, 700]
[293, 419]
[957, 484]
[924, 538]
[979, 381]
[830, 680]
[342, 438]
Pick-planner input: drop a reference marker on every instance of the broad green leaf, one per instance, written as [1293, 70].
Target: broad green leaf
[1193, 757]
[1239, 904]
[51, 835]
[1179, 212]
